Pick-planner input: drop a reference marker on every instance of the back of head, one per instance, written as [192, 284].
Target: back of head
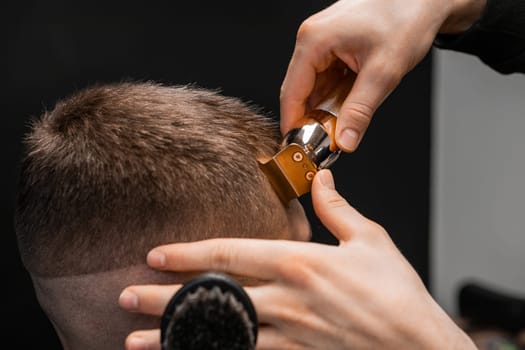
[117, 169]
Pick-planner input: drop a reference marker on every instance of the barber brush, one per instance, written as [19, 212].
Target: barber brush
[307, 148]
[212, 312]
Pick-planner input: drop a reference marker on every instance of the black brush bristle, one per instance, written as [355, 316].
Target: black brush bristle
[210, 312]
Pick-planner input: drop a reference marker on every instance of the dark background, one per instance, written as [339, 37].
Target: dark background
[56, 47]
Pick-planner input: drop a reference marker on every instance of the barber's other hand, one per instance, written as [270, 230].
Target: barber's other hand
[380, 41]
[361, 294]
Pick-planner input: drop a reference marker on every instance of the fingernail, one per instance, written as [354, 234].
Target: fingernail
[326, 178]
[128, 300]
[348, 139]
[136, 343]
[156, 259]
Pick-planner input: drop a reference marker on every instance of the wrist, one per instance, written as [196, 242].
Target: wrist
[441, 332]
[463, 14]
[463, 342]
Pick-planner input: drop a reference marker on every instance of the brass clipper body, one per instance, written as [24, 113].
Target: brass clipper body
[307, 148]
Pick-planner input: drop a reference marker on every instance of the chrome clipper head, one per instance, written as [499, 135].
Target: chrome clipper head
[304, 151]
[309, 147]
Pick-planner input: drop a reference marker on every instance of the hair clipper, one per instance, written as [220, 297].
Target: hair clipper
[307, 148]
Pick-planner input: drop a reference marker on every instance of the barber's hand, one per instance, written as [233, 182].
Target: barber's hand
[361, 294]
[379, 40]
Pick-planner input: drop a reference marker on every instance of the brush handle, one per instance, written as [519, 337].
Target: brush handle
[201, 299]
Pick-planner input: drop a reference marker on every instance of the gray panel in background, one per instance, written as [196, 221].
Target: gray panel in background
[478, 176]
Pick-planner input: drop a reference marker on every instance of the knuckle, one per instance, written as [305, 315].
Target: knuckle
[301, 318]
[336, 201]
[305, 30]
[392, 77]
[221, 257]
[292, 315]
[360, 113]
[284, 342]
[387, 72]
[283, 93]
[377, 232]
[297, 270]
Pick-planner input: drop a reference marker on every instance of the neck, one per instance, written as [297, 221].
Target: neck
[84, 309]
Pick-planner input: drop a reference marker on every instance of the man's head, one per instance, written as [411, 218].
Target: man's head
[116, 169]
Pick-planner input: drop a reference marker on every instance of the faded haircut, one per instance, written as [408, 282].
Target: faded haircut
[116, 169]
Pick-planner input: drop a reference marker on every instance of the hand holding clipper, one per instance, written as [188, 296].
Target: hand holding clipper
[307, 148]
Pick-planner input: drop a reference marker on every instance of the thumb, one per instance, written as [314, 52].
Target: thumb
[341, 219]
[372, 86]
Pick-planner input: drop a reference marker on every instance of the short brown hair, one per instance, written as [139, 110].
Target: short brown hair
[116, 169]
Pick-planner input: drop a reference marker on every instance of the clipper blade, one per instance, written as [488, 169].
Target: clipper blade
[290, 172]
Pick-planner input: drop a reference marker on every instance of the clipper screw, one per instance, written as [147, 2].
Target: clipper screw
[309, 175]
[297, 156]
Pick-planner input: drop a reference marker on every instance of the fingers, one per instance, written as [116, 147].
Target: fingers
[263, 298]
[257, 258]
[304, 81]
[372, 86]
[270, 338]
[309, 59]
[143, 340]
[341, 219]
[147, 299]
[297, 86]
[325, 83]
[273, 302]
[153, 299]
